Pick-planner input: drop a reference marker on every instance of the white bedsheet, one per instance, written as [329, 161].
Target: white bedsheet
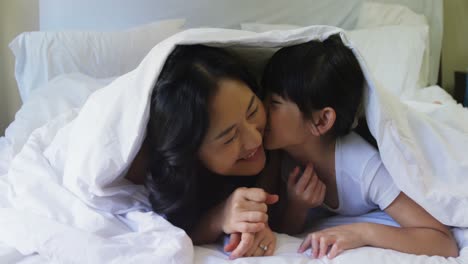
[288, 245]
[64, 199]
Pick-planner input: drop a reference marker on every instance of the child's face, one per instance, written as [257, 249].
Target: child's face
[286, 125]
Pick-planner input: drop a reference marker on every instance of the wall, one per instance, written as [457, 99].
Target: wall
[16, 16]
[455, 42]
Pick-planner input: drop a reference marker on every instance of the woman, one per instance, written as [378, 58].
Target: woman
[203, 145]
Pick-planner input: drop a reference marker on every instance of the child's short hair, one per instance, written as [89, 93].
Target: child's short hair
[315, 75]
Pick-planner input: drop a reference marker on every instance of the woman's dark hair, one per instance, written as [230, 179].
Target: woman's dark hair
[180, 187]
[315, 75]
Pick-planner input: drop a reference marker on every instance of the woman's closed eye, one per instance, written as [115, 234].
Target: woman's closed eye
[232, 138]
[251, 115]
[253, 112]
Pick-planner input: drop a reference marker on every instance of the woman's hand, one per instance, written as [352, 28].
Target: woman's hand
[245, 211]
[308, 191]
[262, 243]
[333, 241]
[239, 244]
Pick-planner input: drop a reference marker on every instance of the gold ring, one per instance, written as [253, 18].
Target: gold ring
[263, 247]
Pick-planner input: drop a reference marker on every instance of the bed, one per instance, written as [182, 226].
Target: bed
[57, 71]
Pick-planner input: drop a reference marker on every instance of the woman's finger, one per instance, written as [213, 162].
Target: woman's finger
[257, 195]
[257, 251]
[272, 199]
[256, 206]
[265, 242]
[254, 194]
[244, 227]
[253, 217]
[271, 248]
[245, 244]
[234, 240]
[257, 239]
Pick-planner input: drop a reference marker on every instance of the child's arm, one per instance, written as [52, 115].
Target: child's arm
[303, 194]
[420, 233]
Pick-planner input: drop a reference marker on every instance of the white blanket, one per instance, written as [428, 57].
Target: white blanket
[64, 196]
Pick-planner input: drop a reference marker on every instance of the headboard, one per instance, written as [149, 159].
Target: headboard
[120, 14]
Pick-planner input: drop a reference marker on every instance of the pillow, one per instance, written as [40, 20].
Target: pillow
[41, 56]
[374, 14]
[394, 54]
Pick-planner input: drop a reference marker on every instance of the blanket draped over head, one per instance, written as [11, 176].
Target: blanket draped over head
[65, 197]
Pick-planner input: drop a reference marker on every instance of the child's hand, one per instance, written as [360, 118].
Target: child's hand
[333, 241]
[245, 211]
[308, 191]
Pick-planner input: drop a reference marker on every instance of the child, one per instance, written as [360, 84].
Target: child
[315, 90]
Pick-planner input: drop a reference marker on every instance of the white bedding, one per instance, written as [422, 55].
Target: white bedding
[64, 197]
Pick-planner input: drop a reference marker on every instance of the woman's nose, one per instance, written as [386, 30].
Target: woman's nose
[252, 138]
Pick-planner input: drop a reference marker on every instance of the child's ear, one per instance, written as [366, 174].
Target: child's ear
[322, 121]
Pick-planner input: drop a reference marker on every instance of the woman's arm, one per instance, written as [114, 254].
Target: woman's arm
[209, 227]
[420, 233]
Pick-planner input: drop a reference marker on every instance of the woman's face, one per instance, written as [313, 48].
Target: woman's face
[233, 143]
[286, 125]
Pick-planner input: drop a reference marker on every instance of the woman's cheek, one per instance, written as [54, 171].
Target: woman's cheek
[229, 156]
[262, 116]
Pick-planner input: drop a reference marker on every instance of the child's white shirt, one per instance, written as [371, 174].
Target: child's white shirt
[363, 182]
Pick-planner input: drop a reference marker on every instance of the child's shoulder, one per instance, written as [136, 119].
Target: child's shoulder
[355, 145]
[354, 151]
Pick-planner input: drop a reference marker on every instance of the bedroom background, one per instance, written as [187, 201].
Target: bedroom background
[23, 15]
